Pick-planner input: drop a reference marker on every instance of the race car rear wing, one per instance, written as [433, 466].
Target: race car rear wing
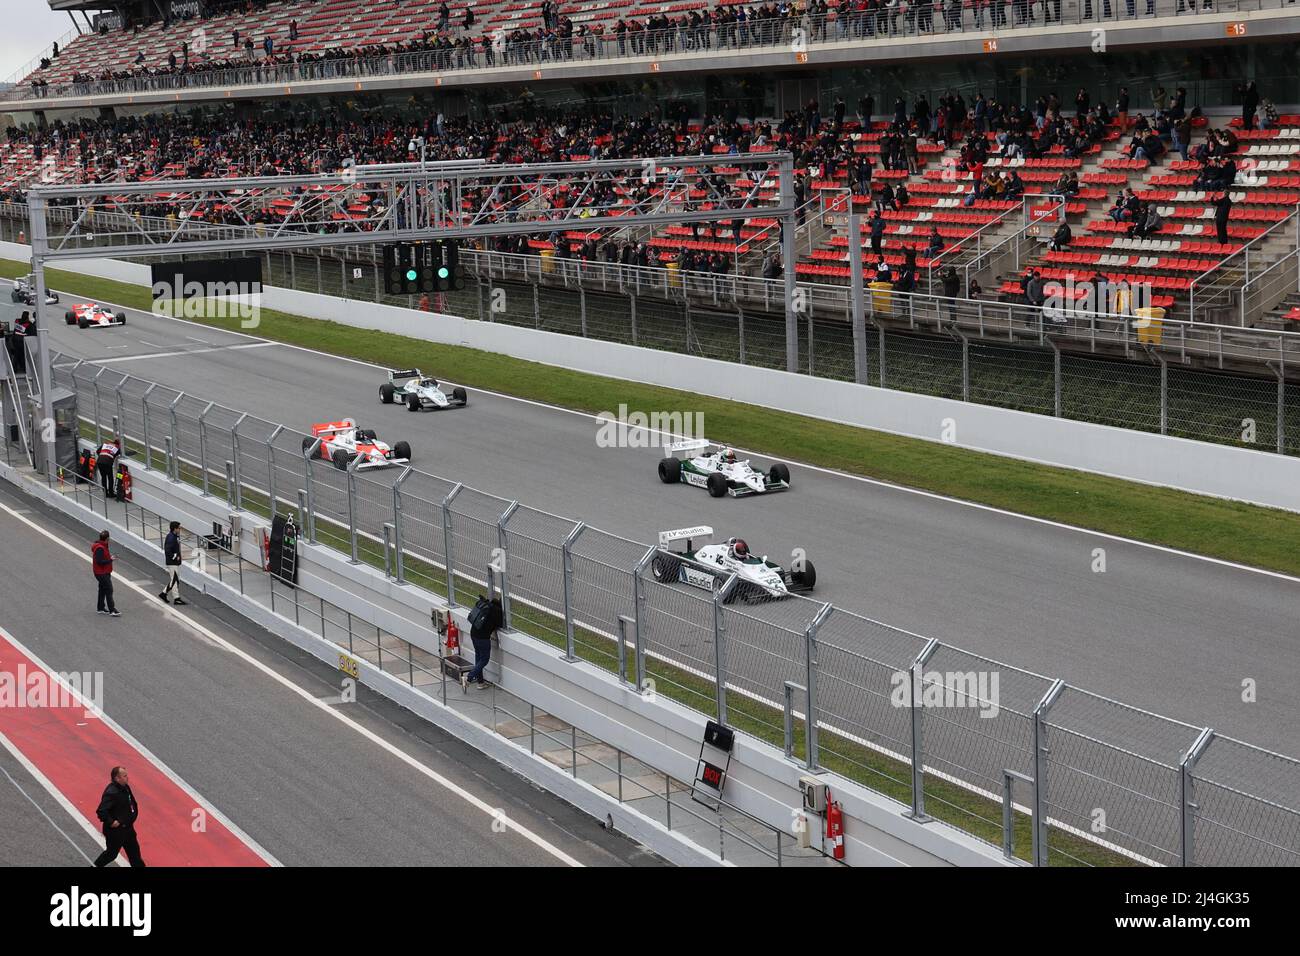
[396, 375]
[685, 534]
[332, 428]
[690, 444]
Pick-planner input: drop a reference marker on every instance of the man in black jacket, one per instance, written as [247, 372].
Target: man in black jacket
[117, 812]
[484, 620]
[172, 557]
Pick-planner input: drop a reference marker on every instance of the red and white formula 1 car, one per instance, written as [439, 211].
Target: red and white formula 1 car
[343, 441]
[88, 315]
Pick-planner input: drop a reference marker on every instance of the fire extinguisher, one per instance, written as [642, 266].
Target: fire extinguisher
[123, 483]
[453, 637]
[835, 827]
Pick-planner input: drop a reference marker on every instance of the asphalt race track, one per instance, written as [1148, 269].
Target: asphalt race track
[305, 787]
[1159, 630]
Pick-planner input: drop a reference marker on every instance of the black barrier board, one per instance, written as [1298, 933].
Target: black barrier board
[284, 549]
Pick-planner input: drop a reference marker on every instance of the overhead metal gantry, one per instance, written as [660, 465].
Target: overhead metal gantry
[404, 202]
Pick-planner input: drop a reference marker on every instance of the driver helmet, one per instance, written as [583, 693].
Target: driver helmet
[729, 456]
[739, 549]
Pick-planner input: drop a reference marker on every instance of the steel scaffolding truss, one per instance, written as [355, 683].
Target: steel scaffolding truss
[406, 202]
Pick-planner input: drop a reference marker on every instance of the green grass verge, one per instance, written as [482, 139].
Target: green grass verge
[1262, 537]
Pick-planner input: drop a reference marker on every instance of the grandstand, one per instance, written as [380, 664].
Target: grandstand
[964, 173]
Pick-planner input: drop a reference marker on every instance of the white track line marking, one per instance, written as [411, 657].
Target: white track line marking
[474, 801]
[54, 792]
[157, 355]
[108, 721]
[876, 482]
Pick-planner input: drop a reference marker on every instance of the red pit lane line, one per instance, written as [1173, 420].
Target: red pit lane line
[75, 753]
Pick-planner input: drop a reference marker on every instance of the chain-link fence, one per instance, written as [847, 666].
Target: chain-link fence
[1053, 773]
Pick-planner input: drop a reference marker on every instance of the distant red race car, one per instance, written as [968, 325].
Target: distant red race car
[342, 441]
[88, 315]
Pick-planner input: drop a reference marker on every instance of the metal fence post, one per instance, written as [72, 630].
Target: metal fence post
[447, 543]
[1040, 771]
[504, 554]
[119, 423]
[566, 550]
[918, 748]
[307, 454]
[234, 451]
[1009, 778]
[230, 480]
[388, 548]
[270, 467]
[638, 609]
[1056, 377]
[203, 446]
[719, 649]
[352, 509]
[94, 383]
[399, 562]
[144, 408]
[811, 751]
[1164, 393]
[1188, 807]
[174, 463]
[623, 622]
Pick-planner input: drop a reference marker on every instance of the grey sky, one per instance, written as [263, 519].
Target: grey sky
[30, 27]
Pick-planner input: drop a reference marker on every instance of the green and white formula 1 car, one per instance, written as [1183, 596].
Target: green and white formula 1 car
[417, 391]
[719, 470]
[709, 567]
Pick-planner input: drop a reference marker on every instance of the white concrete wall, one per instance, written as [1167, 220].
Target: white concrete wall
[1259, 477]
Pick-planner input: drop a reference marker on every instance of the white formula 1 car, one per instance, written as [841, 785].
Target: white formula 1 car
[710, 566]
[343, 441]
[24, 291]
[719, 470]
[417, 391]
[88, 315]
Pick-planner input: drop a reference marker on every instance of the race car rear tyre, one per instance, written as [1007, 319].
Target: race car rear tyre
[779, 472]
[402, 450]
[15, 295]
[670, 470]
[341, 460]
[412, 403]
[458, 394]
[307, 443]
[386, 393]
[664, 568]
[806, 577]
[70, 318]
[121, 318]
[717, 485]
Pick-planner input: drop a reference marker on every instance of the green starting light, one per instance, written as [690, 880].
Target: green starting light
[411, 275]
[443, 272]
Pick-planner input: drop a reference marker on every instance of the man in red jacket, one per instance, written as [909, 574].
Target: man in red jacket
[102, 564]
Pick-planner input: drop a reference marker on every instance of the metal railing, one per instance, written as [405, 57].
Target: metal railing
[798, 34]
[653, 793]
[930, 725]
[1222, 287]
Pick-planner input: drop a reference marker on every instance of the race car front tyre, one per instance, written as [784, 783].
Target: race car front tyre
[664, 568]
[386, 393]
[670, 470]
[717, 485]
[805, 577]
[412, 403]
[121, 318]
[402, 450]
[83, 323]
[779, 472]
[458, 394]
